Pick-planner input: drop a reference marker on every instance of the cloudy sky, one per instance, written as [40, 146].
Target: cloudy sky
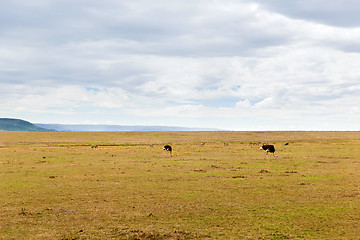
[227, 64]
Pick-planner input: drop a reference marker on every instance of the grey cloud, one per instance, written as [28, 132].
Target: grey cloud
[345, 45]
[205, 56]
[325, 94]
[343, 13]
[194, 29]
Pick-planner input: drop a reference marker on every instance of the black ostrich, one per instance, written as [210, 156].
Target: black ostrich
[268, 148]
[168, 148]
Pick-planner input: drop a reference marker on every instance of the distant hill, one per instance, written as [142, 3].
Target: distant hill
[10, 124]
[112, 128]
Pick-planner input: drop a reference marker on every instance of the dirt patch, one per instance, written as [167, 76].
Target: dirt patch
[142, 235]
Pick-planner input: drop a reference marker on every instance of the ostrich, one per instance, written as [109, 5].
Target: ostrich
[268, 148]
[168, 148]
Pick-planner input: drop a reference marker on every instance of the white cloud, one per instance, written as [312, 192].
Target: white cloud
[224, 62]
[243, 104]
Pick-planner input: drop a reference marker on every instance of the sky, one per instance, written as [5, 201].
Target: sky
[225, 64]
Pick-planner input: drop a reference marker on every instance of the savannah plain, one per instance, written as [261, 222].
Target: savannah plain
[53, 185]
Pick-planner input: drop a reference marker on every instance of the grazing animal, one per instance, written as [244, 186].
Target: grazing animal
[285, 144]
[94, 146]
[226, 144]
[151, 145]
[168, 148]
[202, 144]
[268, 148]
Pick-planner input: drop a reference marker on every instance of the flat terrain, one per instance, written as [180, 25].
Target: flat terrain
[55, 186]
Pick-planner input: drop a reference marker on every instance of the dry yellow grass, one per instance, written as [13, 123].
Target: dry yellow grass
[54, 186]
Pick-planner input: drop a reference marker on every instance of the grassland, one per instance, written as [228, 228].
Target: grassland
[54, 186]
